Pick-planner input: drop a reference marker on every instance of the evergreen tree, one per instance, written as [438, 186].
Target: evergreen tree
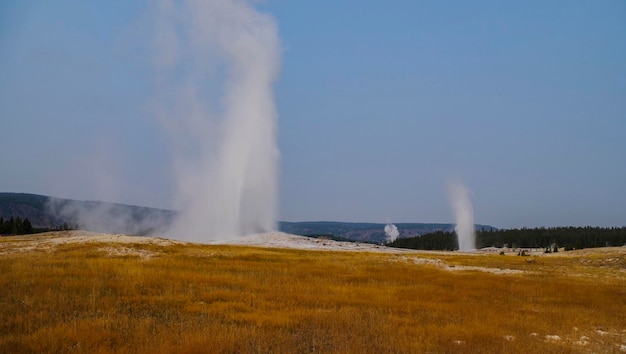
[25, 228]
[8, 226]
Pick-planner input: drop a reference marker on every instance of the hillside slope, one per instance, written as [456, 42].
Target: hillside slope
[49, 212]
[364, 232]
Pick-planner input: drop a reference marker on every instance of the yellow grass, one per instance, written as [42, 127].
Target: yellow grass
[84, 298]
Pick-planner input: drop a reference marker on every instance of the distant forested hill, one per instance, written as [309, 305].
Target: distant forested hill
[364, 232]
[52, 213]
[49, 212]
[28, 206]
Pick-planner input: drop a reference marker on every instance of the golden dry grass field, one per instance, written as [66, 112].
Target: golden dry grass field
[166, 297]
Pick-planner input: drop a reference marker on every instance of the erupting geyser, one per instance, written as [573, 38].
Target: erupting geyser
[464, 214]
[216, 63]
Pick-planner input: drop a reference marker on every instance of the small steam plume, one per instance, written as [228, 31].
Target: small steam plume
[464, 214]
[392, 233]
[216, 62]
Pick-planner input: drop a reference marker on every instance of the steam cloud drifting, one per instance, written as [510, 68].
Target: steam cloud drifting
[216, 61]
[464, 214]
[392, 233]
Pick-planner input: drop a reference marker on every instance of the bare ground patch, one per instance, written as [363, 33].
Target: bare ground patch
[49, 241]
[458, 268]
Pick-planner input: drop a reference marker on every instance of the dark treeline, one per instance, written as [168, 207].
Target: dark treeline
[19, 226]
[567, 237]
[438, 240]
[15, 226]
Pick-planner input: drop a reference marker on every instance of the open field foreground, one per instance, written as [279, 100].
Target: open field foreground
[78, 292]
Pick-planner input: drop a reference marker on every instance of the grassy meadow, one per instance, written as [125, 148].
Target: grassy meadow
[189, 298]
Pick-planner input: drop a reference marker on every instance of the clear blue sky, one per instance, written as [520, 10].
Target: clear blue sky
[380, 104]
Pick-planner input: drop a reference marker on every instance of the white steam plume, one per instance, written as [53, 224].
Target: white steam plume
[392, 233]
[464, 214]
[216, 63]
